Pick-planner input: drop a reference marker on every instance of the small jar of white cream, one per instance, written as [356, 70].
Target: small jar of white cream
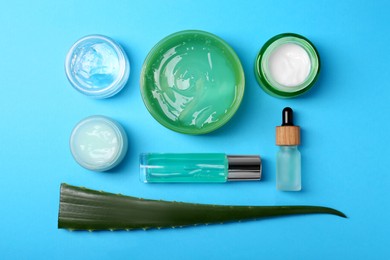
[98, 143]
[287, 65]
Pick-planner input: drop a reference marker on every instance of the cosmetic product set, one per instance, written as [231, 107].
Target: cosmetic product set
[191, 82]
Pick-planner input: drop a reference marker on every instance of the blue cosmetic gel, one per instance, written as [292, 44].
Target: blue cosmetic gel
[97, 66]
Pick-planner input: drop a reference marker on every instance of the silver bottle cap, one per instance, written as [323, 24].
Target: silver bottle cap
[244, 167]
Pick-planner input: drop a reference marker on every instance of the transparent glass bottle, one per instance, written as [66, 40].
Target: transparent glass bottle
[198, 167]
[288, 158]
[288, 168]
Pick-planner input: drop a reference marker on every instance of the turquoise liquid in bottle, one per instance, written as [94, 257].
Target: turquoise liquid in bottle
[198, 167]
[160, 167]
[288, 168]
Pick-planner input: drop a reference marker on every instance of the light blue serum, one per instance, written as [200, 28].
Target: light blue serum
[288, 158]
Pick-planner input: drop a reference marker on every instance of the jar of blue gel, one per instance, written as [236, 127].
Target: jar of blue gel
[97, 66]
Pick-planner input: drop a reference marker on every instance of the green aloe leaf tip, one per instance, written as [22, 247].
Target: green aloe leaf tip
[86, 209]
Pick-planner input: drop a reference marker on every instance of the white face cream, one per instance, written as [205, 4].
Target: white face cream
[289, 64]
[98, 143]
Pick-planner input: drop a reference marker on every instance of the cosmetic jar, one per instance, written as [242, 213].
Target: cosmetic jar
[98, 143]
[192, 82]
[97, 66]
[287, 65]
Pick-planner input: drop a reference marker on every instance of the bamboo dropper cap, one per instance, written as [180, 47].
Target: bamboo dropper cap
[287, 133]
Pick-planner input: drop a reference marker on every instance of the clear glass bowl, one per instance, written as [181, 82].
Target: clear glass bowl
[97, 66]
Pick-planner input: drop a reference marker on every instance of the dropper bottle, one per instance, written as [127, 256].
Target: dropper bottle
[288, 160]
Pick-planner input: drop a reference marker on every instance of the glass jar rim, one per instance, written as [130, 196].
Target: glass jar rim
[120, 134]
[118, 83]
[270, 85]
[185, 36]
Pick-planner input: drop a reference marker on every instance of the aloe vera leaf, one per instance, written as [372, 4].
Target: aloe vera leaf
[86, 209]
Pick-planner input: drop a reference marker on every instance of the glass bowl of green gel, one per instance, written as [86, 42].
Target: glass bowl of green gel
[192, 82]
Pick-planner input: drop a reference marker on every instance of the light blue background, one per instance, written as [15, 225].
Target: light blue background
[344, 118]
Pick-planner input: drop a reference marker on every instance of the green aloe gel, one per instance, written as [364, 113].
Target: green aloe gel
[192, 82]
